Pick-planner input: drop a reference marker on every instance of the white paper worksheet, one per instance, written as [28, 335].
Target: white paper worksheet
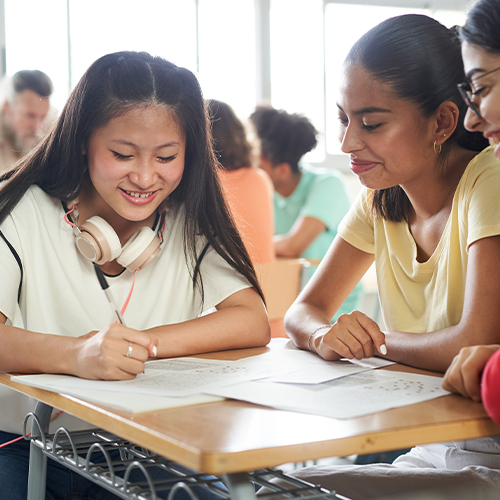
[181, 377]
[183, 381]
[352, 396]
[317, 370]
[131, 403]
[189, 376]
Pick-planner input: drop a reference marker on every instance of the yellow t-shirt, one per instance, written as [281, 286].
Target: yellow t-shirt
[428, 296]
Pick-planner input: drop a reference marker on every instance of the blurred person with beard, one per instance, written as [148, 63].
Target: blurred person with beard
[24, 115]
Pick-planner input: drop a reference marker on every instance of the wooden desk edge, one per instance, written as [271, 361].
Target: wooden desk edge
[367, 443]
[123, 425]
[111, 420]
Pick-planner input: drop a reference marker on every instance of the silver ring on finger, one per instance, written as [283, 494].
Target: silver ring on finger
[129, 352]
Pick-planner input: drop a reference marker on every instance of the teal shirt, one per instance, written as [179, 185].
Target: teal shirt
[321, 194]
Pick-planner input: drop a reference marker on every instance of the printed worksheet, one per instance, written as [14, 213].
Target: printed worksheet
[347, 397]
[136, 403]
[194, 378]
[309, 368]
[183, 376]
[321, 371]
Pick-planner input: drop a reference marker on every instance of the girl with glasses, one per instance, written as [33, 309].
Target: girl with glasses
[481, 55]
[428, 215]
[475, 372]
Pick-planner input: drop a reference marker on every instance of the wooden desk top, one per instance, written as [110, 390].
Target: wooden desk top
[232, 436]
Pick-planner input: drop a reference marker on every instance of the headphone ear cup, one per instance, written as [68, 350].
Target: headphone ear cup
[98, 241]
[140, 249]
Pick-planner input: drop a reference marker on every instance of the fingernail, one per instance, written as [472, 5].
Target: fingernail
[155, 351]
[383, 349]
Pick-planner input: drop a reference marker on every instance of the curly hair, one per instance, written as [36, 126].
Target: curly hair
[284, 137]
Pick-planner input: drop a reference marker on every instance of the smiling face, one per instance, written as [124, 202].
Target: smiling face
[135, 161]
[478, 62]
[388, 140]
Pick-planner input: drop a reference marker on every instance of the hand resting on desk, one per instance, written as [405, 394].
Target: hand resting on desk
[354, 335]
[475, 373]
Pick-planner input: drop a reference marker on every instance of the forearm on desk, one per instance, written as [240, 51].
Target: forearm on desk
[435, 350]
[303, 321]
[339, 272]
[30, 352]
[240, 321]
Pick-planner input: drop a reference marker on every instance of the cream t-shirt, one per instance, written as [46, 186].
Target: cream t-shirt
[61, 295]
[424, 297]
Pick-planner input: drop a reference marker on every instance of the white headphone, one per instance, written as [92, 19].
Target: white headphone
[97, 241]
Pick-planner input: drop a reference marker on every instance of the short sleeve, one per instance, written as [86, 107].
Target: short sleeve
[220, 280]
[10, 273]
[481, 207]
[357, 226]
[327, 201]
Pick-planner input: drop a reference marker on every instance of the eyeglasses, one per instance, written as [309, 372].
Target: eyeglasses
[465, 89]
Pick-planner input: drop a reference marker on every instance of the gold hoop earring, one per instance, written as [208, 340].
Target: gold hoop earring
[440, 146]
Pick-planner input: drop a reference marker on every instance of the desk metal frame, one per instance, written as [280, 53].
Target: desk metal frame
[74, 451]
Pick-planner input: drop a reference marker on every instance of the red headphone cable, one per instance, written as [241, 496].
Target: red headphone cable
[3, 445]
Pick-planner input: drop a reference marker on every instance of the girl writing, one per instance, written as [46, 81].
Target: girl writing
[125, 179]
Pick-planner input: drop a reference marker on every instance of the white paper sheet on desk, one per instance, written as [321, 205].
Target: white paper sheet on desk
[135, 403]
[179, 381]
[348, 397]
[311, 369]
[324, 371]
[179, 377]
[300, 357]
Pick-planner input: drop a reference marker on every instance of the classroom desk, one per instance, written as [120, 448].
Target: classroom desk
[229, 438]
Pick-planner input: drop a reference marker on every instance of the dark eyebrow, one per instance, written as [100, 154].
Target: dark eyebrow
[128, 143]
[367, 110]
[472, 72]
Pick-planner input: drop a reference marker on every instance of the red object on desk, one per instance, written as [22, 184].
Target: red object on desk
[490, 387]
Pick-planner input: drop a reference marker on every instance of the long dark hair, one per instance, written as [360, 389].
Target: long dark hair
[113, 85]
[420, 59]
[482, 26]
[229, 136]
[284, 137]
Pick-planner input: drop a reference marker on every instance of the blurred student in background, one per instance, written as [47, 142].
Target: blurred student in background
[308, 203]
[24, 116]
[249, 191]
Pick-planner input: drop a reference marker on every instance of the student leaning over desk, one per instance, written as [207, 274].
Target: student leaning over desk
[130, 163]
[429, 216]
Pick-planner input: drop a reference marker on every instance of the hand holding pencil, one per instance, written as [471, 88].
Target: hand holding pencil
[116, 352]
